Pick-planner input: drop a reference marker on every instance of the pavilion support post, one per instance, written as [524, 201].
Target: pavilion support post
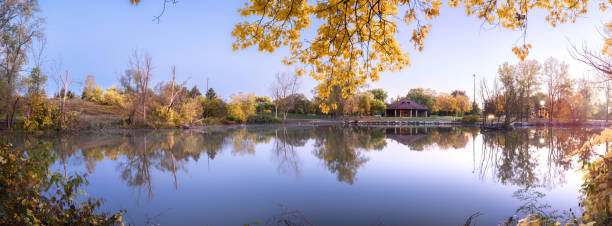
[395, 113]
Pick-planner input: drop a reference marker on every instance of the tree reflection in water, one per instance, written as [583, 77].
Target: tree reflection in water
[284, 148]
[527, 158]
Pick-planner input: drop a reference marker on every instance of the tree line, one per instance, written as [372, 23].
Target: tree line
[533, 89]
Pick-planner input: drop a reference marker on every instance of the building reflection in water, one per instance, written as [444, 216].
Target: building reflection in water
[521, 157]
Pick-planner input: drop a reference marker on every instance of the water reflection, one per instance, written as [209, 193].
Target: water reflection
[510, 156]
[532, 160]
[432, 138]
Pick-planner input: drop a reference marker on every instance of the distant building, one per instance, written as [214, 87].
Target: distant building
[406, 108]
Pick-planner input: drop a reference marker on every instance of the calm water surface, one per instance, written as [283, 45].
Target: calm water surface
[324, 175]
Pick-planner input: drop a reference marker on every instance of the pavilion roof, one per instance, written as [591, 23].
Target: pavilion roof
[406, 104]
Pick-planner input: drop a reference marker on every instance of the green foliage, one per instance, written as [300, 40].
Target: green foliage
[35, 81]
[363, 103]
[214, 107]
[262, 119]
[194, 92]
[422, 96]
[378, 107]
[301, 105]
[470, 119]
[69, 94]
[475, 109]
[32, 195]
[263, 104]
[379, 94]
[210, 94]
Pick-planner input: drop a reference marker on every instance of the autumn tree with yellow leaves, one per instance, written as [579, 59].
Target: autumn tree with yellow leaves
[355, 40]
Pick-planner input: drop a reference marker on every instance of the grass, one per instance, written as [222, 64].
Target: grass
[87, 107]
[93, 115]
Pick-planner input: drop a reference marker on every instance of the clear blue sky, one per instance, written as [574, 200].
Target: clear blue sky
[96, 37]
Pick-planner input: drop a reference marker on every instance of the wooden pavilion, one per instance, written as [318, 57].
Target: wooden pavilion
[406, 108]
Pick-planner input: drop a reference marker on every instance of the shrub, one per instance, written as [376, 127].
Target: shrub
[378, 107]
[189, 111]
[43, 115]
[70, 121]
[97, 94]
[164, 117]
[241, 107]
[112, 97]
[470, 119]
[262, 119]
[32, 195]
[212, 107]
[94, 94]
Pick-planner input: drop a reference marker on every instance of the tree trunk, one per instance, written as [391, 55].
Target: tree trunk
[144, 106]
[607, 107]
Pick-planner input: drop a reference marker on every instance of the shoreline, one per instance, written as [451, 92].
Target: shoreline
[340, 122]
[498, 125]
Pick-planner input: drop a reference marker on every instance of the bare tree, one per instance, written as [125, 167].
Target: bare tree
[63, 82]
[66, 84]
[137, 78]
[37, 52]
[283, 91]
[528, 71]
[555, 77]
[600, 62]
[491, 97]
[174, 93]
[595, 59]
[603, 83]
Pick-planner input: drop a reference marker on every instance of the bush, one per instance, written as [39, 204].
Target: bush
[32, 195]
[43, 115]
[377, 107]
[94, 94]
[163, 117]
[189, 111]
[262, 119]
[212, 107]
[470, 119]
[241, 107]
[112, 97]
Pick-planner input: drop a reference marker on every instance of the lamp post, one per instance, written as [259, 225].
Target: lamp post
[542, 103]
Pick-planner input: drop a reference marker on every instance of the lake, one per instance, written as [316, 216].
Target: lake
[324, 175]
